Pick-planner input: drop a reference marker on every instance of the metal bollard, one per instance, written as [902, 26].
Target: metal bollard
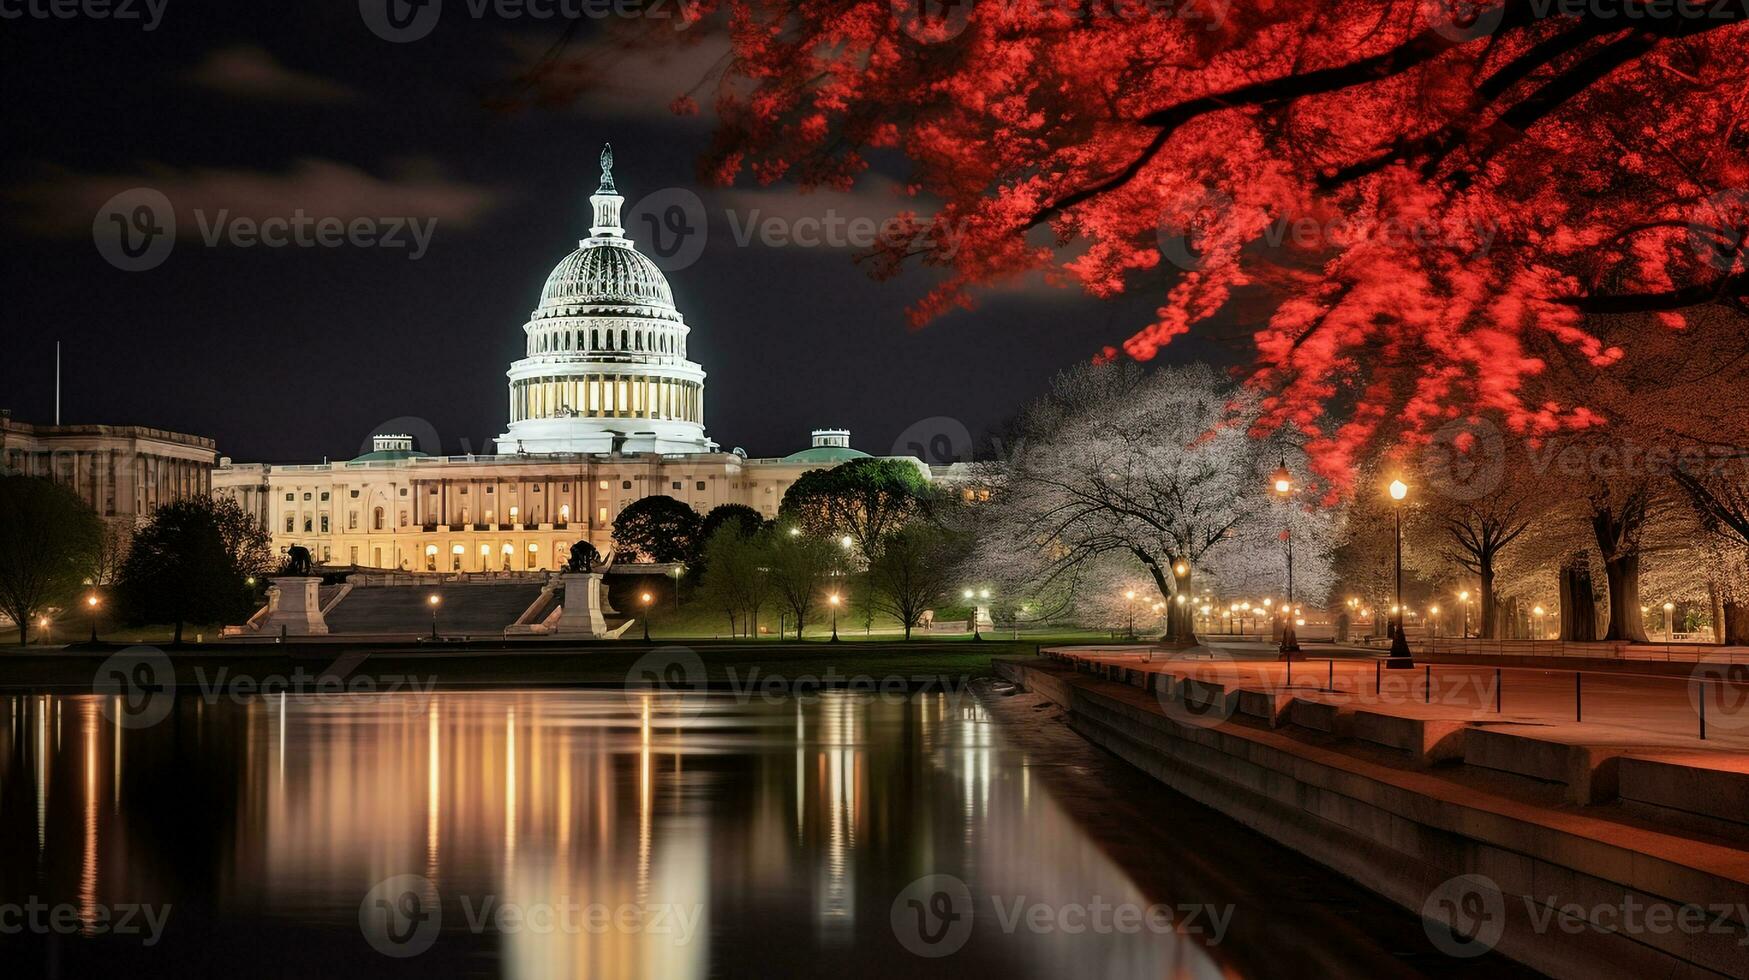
[1378, 678]
[1332, 674]
[1496, 690]
[1703, 711]
[1427, 685]
[1578, 698]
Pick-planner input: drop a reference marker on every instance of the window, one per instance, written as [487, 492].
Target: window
[604, 484]
[353, 494]
[675, 485]
[309, 525]
[306, 496]
[601, 515]
[324, 523]
[490, 489]
[403, 491]
[564, 513]
[352, 520]
[625, 484]
[701, 484]
[464, 491]
[289, 496]
[324, 495]
[352, 556]
[376, 519]
[403, 518]
[513, 512]
[289, 523]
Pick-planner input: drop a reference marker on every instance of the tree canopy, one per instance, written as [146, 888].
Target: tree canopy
[1432, 201]
[49, 544]
[191, 562]
[863, 499]
[655, 529]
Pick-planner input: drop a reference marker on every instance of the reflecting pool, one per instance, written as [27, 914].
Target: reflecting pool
[559, 833]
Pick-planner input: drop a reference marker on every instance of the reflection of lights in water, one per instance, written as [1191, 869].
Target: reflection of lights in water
[509, 787]
[801, 772]
[279, 746]
[88, 863]
[115, 762]
[433, 789]
[42, 772]
[644, 802]
[838, 738]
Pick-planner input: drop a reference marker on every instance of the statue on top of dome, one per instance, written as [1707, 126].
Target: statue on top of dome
[607, 167]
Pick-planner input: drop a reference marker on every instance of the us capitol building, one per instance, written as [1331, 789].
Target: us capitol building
[604, 408]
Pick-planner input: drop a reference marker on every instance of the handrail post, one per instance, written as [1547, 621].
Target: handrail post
[1497, 682]
[1427, 685]
[1578, 697]
[1703, 710]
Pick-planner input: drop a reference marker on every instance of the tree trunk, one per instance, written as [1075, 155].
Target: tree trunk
[1181, 616]
[1736, 624]
[1578, 608]
[1624, 599]
[1488, 627]
[23, 631]
[176, 638]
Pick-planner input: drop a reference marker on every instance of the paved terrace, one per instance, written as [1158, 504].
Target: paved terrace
[1616, 704]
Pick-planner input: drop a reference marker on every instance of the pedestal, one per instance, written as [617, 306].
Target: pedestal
[581, 612]
[293, 607]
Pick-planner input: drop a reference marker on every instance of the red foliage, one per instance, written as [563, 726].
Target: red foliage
[1436, 203]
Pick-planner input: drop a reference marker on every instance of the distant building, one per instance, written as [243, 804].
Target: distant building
[605, 409]
[125, 472]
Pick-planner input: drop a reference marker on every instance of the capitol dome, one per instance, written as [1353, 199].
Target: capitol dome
[609, 272]
[605, 367]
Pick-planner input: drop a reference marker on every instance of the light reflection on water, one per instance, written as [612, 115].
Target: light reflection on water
[782, 830]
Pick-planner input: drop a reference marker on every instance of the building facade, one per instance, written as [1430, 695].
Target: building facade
[124, 472]
[605, 409]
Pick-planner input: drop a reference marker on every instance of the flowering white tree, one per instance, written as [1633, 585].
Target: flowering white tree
[1151, 469]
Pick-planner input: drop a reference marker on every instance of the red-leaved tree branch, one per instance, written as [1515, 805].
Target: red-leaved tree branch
[1430, 197]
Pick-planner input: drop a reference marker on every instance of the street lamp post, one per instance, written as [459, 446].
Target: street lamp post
[1464, 597]
[433, 600]
[678, 571]
[1129, 604]
[1669, 631]
[832, 600]
[1283, 484]
[646, 598]
[1399, 658]
[91, 610]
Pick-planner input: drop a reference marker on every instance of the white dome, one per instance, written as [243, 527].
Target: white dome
[607, 272]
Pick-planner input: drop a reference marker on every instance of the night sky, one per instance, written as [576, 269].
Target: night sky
[296, 354]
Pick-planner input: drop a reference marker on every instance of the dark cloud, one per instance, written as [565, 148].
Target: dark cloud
[250, 72]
